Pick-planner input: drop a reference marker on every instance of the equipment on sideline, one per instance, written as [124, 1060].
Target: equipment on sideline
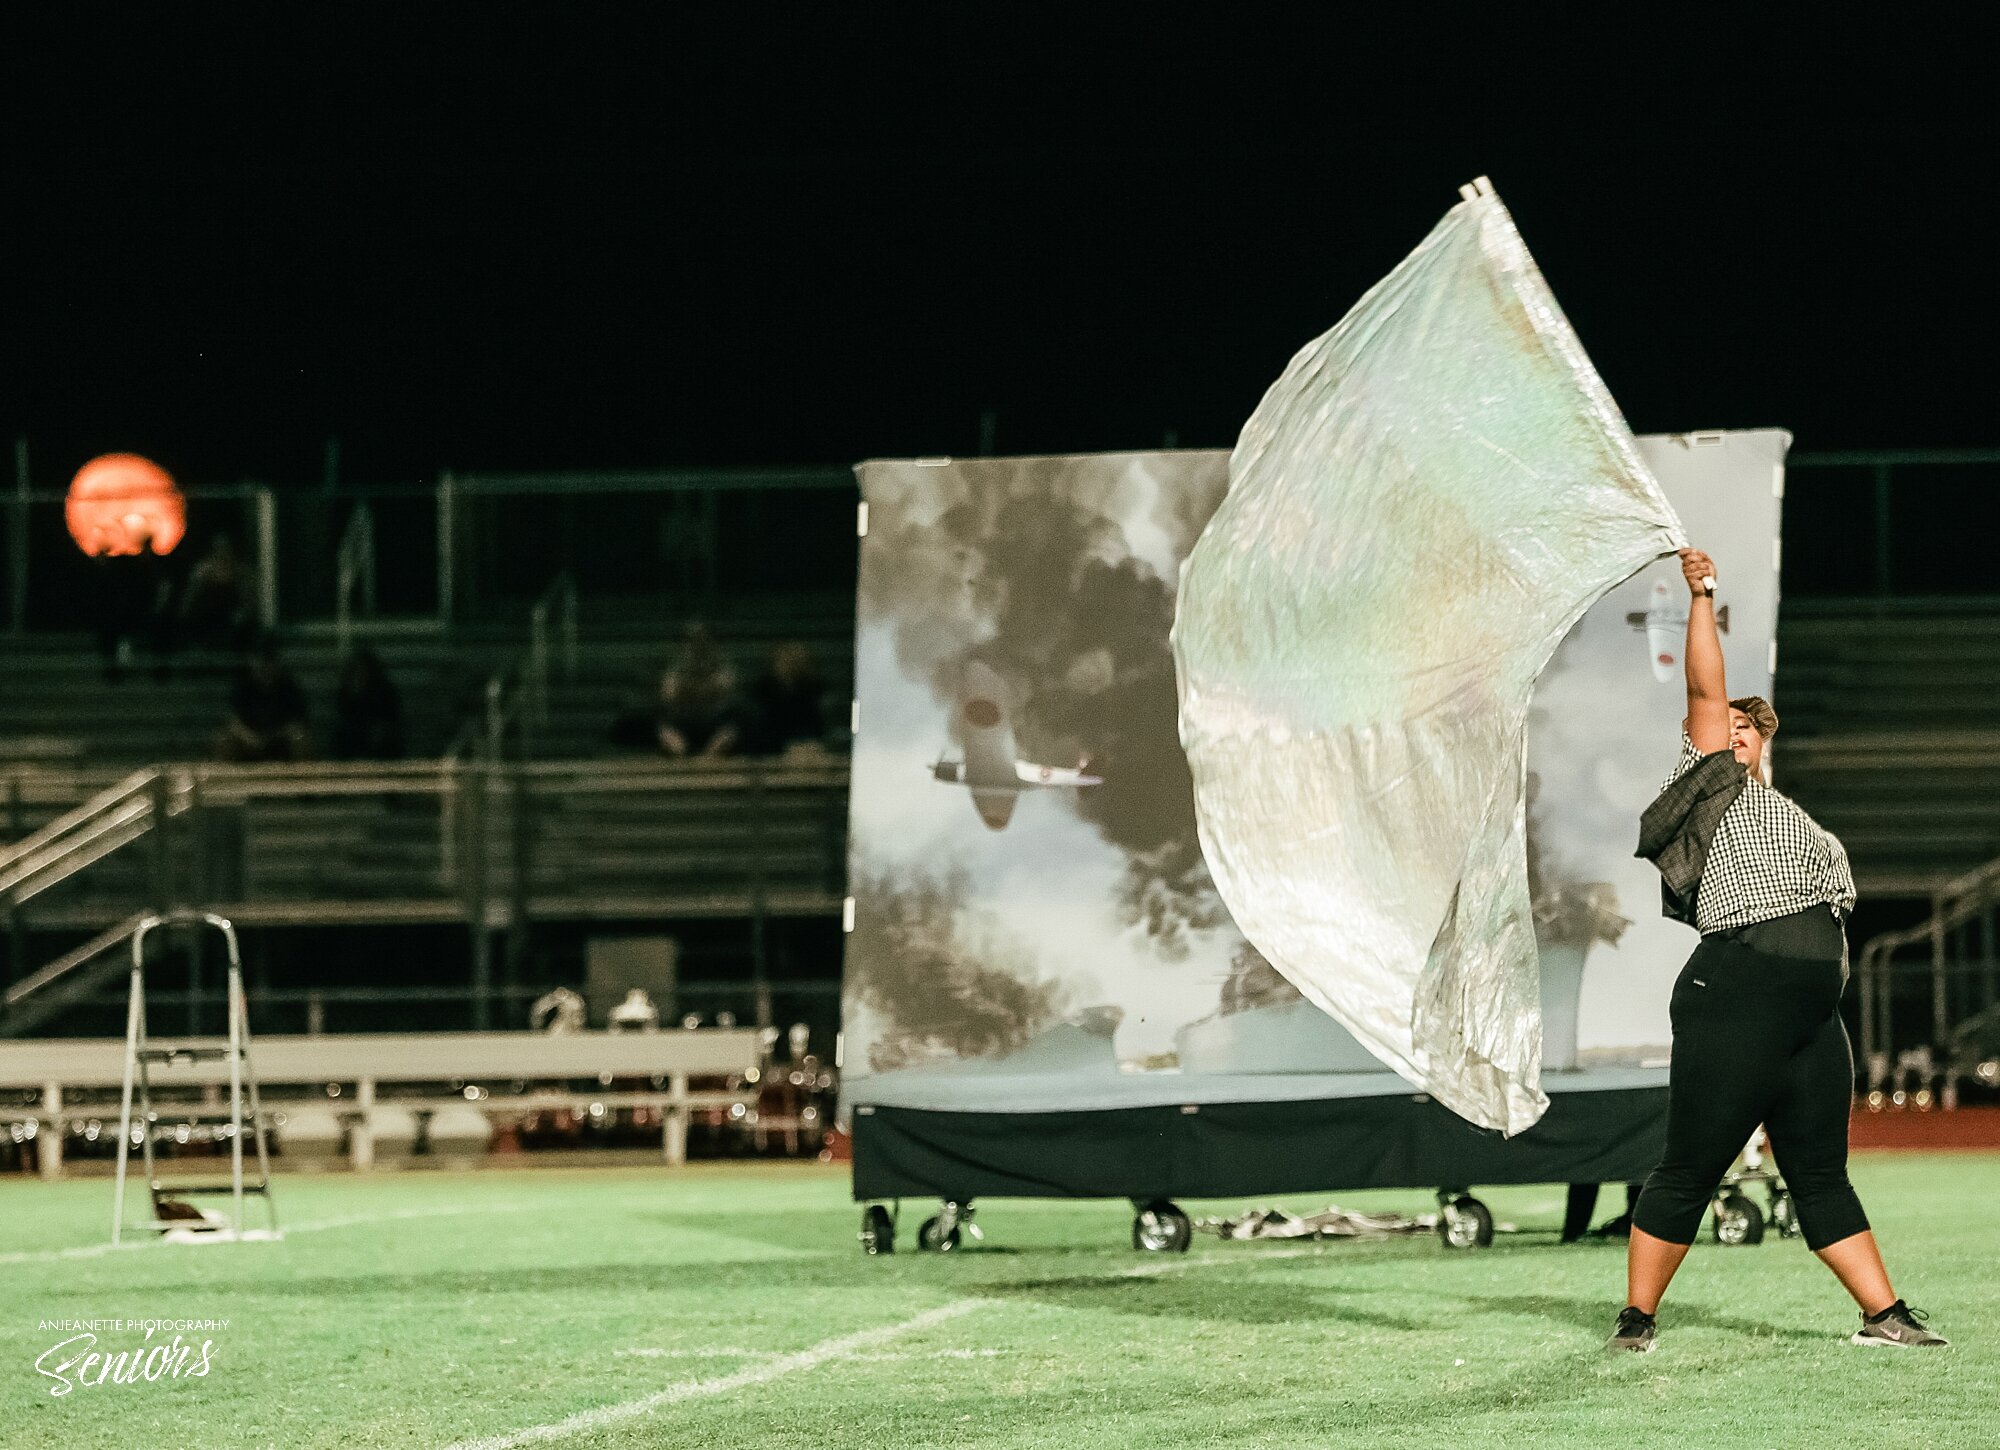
[170, 1213]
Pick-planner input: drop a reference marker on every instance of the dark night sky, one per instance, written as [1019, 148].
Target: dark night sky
[497, 247]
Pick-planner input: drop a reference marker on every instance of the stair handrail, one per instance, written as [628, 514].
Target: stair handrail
[517, 694]
[555, 613]
[1953, 905]
[70, 960]
[354, 569]
[467, 765]
[520, 689]
[119, 808]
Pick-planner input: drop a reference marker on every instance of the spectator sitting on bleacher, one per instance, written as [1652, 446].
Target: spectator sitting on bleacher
[787, 705]
[215, 610]
[698, 711]
[367, 710]
[267, 711]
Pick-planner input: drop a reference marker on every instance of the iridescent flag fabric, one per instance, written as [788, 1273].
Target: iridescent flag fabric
[1418, 511]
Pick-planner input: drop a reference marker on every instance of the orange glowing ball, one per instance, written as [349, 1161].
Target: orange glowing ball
[124, 504]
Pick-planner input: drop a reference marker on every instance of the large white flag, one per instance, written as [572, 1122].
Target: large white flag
[1418, 511]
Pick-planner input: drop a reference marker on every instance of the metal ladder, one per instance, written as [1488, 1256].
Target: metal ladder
[140, 1055]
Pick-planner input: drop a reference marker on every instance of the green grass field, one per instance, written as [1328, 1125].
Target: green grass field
[730, 1305]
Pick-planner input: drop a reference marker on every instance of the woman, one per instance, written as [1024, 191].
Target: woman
[1756, 1012]
[787, 704]
[367, 710]
[698, 709]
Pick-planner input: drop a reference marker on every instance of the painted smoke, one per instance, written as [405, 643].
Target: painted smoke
[1093, 906]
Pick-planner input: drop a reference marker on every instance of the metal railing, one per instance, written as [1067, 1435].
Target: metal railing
[38, 983]
[39, 543]
[1878, 530]
[81, 837]
[354, 573]
[515, 696]
[687, 535]
[137, 807]
[552, 638]
[18, 552]
[692, 534]
[1963, 974]
[262, 845]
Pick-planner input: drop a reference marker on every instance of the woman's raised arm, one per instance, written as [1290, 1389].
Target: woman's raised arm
[1708, 695]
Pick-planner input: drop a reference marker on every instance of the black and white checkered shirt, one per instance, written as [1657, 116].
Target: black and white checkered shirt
[1768, 859]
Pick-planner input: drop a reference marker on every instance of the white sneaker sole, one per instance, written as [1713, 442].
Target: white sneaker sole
[1869, 1341]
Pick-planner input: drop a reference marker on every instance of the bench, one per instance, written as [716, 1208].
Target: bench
[380, 1069]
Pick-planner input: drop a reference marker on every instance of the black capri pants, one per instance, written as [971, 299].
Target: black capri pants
[1758, 1039]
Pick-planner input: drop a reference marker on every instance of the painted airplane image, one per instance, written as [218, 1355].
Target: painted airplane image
[1665, 621]
[992, 771]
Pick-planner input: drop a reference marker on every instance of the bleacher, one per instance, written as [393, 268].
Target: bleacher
[603, 841]
[1891, 733]
[59, 709]
[1891, 737]
[617, 675]
[611, 836]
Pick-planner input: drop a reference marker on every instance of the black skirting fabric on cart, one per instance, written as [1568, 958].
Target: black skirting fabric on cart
[1235, 1149]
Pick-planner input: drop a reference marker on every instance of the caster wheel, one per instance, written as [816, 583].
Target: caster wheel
[1465, 1223]
[931, 1238]
[878, 1230]
[1737, 1220]
[1161, 1228]
[1785, 1216]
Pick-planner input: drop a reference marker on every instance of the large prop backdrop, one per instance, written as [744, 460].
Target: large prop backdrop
[1043, 992]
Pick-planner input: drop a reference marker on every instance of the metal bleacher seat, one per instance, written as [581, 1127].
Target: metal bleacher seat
[612, 677]
[1892, 734]
[667, 1072]
[703, 840]
[60, 709]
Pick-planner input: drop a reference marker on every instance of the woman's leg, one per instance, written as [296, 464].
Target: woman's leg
[1857, 1263]
[1728, 1056]
[1649, 1267]
[1808, 1128]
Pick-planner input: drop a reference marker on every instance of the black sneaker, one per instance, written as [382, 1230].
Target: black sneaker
[1634, 1331]
[1897, 1327]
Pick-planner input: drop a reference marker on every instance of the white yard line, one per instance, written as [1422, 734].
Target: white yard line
[95, 1251]
[846, 1346]
[719, 1351]
[361, 1220]
[880, 1356]
[87, 1251]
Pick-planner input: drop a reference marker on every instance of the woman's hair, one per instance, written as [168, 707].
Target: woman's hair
[1760, 712]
